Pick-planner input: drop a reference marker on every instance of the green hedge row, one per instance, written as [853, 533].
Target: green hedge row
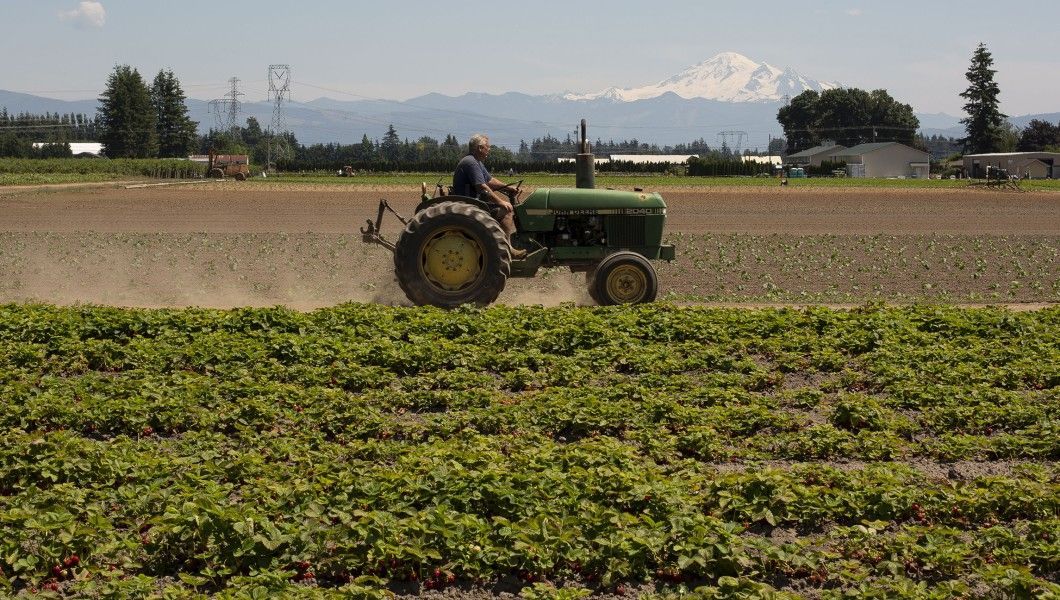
[165, 168]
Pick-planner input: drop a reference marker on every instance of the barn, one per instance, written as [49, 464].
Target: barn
[1035, 165]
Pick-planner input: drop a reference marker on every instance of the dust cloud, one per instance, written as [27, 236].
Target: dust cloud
[172, 270]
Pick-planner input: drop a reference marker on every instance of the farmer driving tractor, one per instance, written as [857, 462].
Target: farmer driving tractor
[471, 179]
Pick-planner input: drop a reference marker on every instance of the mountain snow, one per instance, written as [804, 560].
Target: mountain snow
[727, 77]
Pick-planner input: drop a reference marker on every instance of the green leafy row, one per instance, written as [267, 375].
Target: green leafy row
[364, 450]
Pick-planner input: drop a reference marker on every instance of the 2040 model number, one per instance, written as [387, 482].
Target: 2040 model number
[608, 211]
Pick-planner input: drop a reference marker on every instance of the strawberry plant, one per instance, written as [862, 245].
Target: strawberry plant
[363, 450]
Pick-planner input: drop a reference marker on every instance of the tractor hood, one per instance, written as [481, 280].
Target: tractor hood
[582, 201]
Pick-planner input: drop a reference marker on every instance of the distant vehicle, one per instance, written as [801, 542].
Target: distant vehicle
[346, 171]
[228, 165]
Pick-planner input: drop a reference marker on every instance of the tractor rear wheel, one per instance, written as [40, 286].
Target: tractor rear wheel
[624, 278]
[450, 254]
[217, 173]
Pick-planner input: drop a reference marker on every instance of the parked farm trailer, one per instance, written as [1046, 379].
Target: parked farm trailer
[453, 251]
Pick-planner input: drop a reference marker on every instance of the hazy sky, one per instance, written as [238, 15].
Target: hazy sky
[347, 49]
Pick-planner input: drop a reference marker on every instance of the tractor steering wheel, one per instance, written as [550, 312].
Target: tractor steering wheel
[513, 192]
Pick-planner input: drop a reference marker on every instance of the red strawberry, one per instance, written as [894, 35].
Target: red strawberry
[72, 561]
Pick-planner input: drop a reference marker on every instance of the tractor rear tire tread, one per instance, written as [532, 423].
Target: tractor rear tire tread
[474, 221]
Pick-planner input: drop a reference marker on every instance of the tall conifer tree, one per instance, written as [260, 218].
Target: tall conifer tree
[984, 123]
[125, 116]
[176, 131]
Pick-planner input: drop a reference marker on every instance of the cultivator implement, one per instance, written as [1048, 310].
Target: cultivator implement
[371, 233]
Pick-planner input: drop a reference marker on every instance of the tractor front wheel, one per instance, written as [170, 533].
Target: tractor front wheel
[450, 254]
[624, 278]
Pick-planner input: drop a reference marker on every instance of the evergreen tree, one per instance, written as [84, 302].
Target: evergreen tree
[366, 150]
[176, 131]
[1039, 136]
[390, 148]
[126, 117]
[984, 122]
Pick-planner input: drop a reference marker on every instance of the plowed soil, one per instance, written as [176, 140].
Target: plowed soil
[227, 244]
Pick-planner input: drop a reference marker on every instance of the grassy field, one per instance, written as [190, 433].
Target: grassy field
[646, 181]
[656, 451]
[60, 171]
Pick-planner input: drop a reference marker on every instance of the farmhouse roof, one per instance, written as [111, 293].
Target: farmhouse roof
[1012, 154]
[817, 150]
[863, 149]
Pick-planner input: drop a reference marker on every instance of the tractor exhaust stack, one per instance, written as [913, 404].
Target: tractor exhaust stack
[584, 166]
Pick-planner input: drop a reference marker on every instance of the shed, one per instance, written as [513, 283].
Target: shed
[886, 159]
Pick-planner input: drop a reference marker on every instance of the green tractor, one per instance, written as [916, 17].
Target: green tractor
[453, 251]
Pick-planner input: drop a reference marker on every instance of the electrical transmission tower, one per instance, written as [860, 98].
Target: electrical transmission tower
[737, 137]
[233, 106]
[219, 110]
[226, 110]
[279, 92]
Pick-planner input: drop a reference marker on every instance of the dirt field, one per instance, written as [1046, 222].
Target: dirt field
[229, 244]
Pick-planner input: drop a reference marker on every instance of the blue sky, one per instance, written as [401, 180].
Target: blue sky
[347, 49]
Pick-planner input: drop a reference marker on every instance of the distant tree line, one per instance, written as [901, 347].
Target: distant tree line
[429, 154]
[19, 132]
[940, 146]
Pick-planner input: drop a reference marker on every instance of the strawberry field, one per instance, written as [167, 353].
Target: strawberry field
[363, 451]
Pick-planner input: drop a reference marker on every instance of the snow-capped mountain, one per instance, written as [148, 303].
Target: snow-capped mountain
[727, 77]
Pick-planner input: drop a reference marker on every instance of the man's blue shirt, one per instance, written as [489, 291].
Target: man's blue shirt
[469, 175]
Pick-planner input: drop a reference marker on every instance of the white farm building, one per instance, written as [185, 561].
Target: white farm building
[886, 159]
[78, 148]
[639, 159]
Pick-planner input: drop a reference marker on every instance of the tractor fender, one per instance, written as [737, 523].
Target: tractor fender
[424, 205]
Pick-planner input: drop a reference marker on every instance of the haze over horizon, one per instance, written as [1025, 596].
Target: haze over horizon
[372, 50]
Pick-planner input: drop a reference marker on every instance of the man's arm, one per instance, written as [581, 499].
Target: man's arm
[488, 187]
[496, 184]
